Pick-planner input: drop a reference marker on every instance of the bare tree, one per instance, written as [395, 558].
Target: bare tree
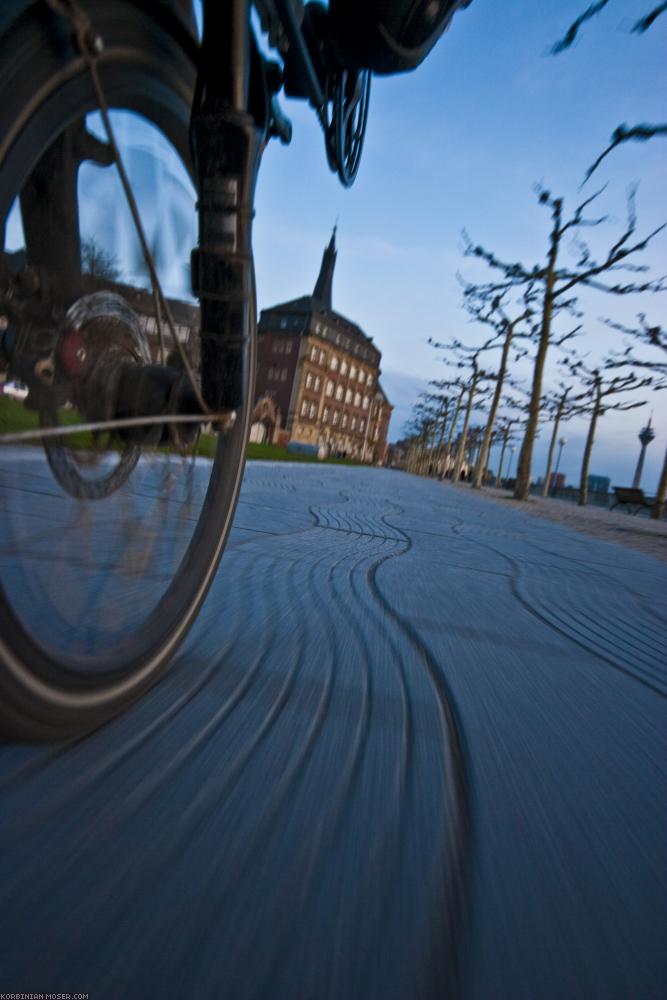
[600, 393]
[421, 428]
[557, 285]
[99, 263]
[485, 304]
[459, 388]
[645, 335]
[561, 405]
[466, 358]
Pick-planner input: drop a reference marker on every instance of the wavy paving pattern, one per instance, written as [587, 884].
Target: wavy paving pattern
[410, 751]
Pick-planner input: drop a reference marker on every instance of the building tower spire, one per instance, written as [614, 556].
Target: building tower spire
[324, 283]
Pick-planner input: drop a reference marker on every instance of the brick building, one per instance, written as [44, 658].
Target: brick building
[321, 372]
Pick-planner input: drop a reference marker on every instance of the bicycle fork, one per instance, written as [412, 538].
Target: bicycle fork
[227, 142]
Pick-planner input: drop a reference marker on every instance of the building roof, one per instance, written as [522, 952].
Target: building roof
[324, 284]
[318, 306]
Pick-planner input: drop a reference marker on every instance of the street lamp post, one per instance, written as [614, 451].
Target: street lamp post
[561, 444]
[509, 470]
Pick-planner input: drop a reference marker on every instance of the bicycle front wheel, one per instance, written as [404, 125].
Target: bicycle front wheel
[110, 537]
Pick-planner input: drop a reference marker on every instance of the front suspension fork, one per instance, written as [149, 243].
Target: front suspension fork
[227, 145]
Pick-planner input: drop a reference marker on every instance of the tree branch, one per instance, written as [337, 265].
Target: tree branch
[637, 133]
[573, 30]
[644, 23]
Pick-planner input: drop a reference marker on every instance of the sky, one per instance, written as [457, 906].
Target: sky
[460, 144]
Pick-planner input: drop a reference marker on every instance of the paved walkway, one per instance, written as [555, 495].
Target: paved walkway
[414, 748]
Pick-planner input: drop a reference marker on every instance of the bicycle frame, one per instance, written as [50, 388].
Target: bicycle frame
[229, 132]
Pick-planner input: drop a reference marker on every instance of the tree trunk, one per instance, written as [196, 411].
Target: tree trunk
[499, 477]
[522, 488]
[460, 454]
[659, 507]
[483, 457]
[452, 426]
[443, 428]
[583, 483]
[552, 448]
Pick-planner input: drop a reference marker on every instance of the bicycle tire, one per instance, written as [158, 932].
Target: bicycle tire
[148, 67]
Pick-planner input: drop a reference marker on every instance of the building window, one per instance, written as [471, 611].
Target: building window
[375, 434]
[313, 411]
[343, 367]
[335, 417]
[343, 422]
[309, 380]
[325, 414]
[304, 408]
[362, 425]
[348, 396]
[318, 383]
[283, 323]
[366, 401]
[323, 358]
[334, 363]
[339, 392]
[288, 347]
[362, 375]
[330, 388]
[283, 374]
[318, 327]
[357, 399]
[369, 379]
[313, 354]
[353, 371]
[353, 423]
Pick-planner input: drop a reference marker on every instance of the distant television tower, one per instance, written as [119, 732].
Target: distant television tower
[646, 436]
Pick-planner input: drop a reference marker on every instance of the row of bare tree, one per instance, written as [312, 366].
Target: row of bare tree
[522, 304]
[528, 311]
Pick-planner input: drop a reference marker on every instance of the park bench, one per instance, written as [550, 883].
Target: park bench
[631, 497]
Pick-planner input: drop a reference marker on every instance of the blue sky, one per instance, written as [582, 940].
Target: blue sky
[460, 143]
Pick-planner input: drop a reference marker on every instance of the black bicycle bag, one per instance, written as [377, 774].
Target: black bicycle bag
[389, 36]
